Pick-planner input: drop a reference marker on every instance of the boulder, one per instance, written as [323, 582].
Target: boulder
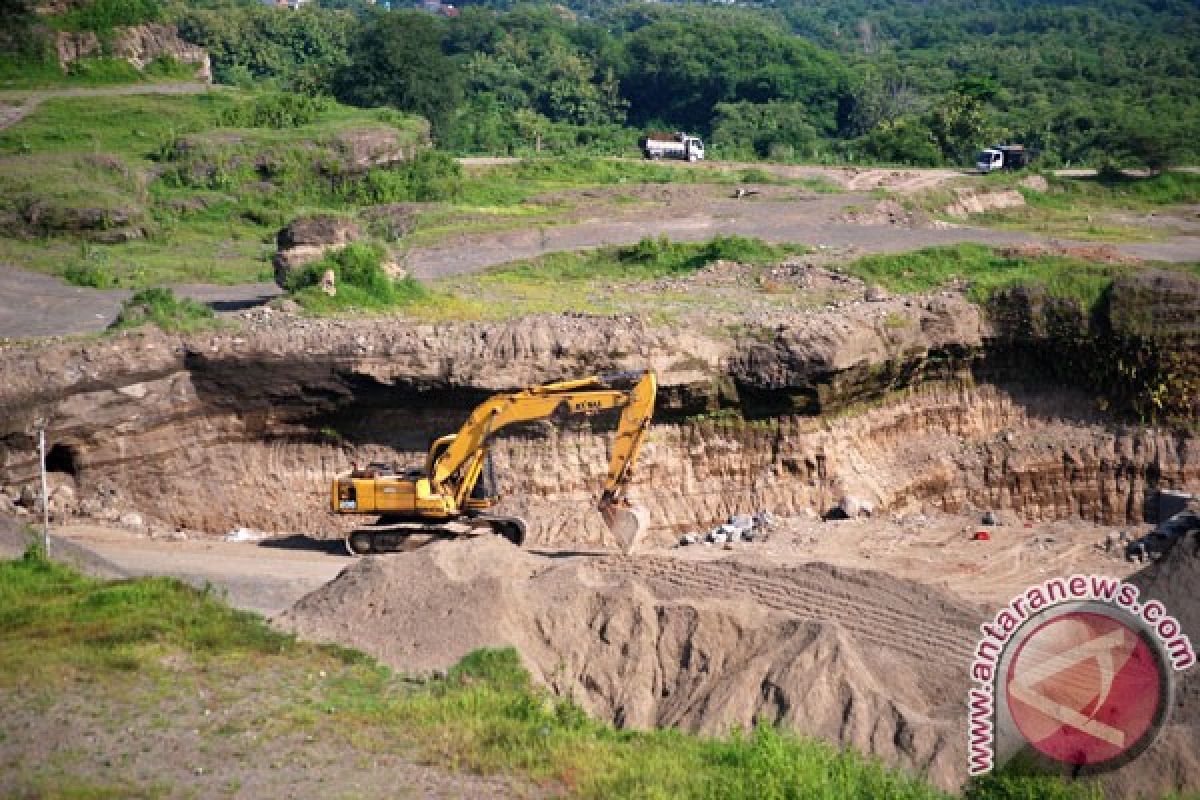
[329, 283]
[308, 239]
[63, 500]
[142, 44]
[324, 230]
[741, 522]
[852, 507]
[132, 519]
[363, 148]
[29, 498]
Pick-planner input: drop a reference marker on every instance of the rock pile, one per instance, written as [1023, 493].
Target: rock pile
[739, 528]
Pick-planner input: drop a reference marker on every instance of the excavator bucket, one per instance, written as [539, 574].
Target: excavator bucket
[627, 523]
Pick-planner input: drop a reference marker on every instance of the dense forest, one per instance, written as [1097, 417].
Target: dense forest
[896, 81]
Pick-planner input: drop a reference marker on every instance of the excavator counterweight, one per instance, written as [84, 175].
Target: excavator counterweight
[454, 491]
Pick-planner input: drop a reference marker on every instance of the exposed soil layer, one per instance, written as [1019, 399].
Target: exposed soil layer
[220, 430]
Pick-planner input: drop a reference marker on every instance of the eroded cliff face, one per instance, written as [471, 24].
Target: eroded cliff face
[219, 430]
[140, 45]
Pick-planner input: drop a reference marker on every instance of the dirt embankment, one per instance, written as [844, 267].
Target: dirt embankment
[693, 640]
[836, 653]
[906, 402]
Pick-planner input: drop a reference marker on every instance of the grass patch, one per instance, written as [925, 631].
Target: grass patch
[45, 195]
[208, 197]
[81, 624]
[159, 306]
[133, 126]
[45, 73]
[648, 259]
[1081, 207]
[601, 281]
[1112, 189]
[360, 282]
[987, 270]
[510, 184]
[207, 180]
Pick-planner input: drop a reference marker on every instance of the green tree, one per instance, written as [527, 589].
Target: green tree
[960, 126]
[1147, 139]
[764, 130]
[252, 44]
[397, 61]
[906, 140]
[678, 68]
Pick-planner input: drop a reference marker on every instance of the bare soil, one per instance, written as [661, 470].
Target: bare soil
[204, 730]
[858, 632]
[687, 212]
[862, 629]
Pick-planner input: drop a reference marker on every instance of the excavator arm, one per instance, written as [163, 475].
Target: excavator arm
[456, 461]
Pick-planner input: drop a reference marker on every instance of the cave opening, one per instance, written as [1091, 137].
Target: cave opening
[63, 458]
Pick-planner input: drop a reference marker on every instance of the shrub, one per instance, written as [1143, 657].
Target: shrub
[104, 15]
[166, 66]
[103, 70]
[276, 110]
[161, 307]
[431, 176]
[90, 275]
[360, 279]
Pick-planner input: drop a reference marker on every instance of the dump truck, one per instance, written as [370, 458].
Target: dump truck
[453, 493]
[1003, 156]
[672, 145]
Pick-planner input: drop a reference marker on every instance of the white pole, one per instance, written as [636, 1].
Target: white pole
[45, 497]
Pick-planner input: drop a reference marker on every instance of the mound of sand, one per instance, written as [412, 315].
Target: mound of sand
[858, 658]
[1172, 764]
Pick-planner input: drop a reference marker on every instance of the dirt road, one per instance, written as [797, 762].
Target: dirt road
[778, 214]
[262, 577]
[33, 304]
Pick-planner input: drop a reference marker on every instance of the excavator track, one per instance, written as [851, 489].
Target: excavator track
[387, 536]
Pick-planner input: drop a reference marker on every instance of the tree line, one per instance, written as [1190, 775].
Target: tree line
[826, 80]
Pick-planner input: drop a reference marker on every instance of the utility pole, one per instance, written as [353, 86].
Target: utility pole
[41, 429]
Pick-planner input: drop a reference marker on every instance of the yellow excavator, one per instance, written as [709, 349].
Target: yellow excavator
[455, 490]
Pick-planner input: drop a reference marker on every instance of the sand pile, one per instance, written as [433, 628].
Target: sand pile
[1173, 762]
[856, 657]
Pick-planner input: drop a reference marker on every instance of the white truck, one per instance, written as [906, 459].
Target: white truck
[1003, 156]
[672, 145]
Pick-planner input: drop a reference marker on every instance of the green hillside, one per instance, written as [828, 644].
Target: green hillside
[888, 81]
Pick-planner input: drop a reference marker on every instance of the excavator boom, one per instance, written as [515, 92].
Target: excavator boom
[446, 490]
[628, 523]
